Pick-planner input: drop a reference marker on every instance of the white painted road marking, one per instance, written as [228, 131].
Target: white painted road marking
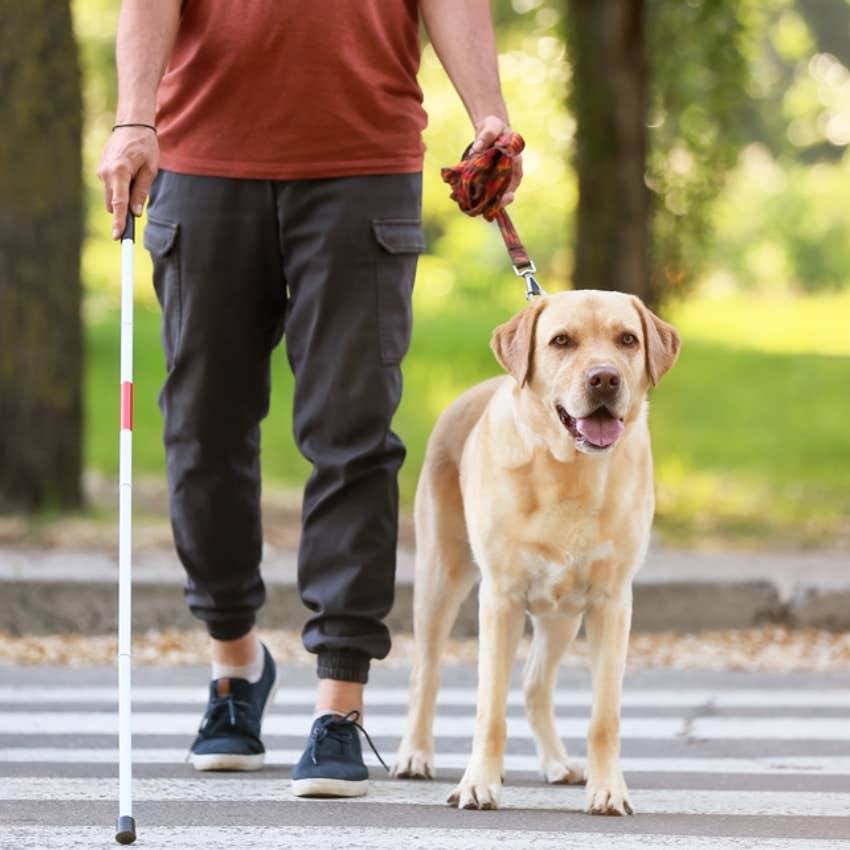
[770, 765]
[761, 728]
[39, 799]
[372, 838]
[186, 723]
[562, 797]
[686, 698]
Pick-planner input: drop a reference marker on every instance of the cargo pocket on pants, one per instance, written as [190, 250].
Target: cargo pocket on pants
[160, 239]
[400, 242]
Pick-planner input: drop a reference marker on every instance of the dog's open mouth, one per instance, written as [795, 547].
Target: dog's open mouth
[600, 430]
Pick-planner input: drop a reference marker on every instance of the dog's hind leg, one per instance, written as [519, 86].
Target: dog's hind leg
[553, 633]
[445, 574]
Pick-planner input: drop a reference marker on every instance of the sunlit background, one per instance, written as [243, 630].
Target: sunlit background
[750, 181]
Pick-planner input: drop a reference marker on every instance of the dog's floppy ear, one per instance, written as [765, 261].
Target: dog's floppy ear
[662, 342]
[513, 342]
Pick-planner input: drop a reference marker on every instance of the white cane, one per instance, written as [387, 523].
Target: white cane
[126, 831]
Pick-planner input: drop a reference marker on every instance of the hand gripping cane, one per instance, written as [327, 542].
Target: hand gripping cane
[126, 830]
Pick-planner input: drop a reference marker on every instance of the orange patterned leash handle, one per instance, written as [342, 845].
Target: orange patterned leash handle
[478, 183]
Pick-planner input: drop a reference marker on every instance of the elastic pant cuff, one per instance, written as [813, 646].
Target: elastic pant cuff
[229, 629]
[344, 666]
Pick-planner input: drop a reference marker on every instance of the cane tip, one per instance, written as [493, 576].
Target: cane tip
[126, 831]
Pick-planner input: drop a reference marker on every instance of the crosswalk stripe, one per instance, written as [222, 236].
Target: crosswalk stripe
[216, 789]
[152, 723]
[810, 728]
[739, 698]
[711, 728]
[774, 765]
[702, 725]
[392, 838]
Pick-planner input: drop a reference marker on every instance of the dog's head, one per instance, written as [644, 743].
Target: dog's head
[588, 357]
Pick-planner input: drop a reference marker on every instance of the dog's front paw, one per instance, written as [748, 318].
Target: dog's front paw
[564, 772]
[413, 762]
[609, 796]
[479, 789]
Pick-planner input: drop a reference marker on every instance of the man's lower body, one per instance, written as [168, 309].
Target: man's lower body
[327, 265]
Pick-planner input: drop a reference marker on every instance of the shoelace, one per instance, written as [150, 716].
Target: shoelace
[330, 725]
[231, 703]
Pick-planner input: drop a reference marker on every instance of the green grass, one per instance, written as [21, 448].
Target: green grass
[748, 443]
[781, 323]
[754, 443]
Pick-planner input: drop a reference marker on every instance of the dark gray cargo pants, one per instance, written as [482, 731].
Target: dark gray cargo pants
[329, 265]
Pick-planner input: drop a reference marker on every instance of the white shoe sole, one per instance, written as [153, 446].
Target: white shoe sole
[227, 761]
[234, 761]
[329, 787]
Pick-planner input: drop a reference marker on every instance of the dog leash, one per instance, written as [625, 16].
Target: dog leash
[478, 183]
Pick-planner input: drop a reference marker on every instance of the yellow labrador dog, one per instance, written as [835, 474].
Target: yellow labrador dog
[546, 474]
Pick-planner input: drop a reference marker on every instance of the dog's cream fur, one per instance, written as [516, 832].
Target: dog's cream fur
[557, 527]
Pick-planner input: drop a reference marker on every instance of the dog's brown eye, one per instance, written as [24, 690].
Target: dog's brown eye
[628, 340]
[563, 341]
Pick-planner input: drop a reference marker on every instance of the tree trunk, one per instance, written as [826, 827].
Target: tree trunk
[607, 49]
[41, 227]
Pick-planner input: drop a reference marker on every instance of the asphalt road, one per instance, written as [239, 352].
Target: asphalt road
[713, 760]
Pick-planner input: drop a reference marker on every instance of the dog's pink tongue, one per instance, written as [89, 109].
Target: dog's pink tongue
[600, 430]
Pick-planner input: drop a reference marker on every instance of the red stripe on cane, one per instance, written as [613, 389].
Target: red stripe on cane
[126, 406]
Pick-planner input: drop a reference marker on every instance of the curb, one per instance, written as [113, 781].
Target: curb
[59, 592]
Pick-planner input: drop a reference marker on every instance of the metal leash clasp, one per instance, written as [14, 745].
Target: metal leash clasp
[532, 287]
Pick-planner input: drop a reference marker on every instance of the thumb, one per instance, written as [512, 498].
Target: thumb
[487, 132]
[139, 190]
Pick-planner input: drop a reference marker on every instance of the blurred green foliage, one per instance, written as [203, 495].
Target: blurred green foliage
[781, 225]
[700, 53]
[726, 75]
[783, 228]
[748, 437]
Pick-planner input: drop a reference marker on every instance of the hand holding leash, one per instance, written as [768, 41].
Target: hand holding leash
[479, 185]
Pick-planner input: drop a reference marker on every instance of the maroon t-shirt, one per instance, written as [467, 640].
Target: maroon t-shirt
[289, 89]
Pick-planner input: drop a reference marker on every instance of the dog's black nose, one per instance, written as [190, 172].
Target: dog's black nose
[603, 381]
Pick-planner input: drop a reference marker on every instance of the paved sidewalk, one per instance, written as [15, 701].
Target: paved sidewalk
[55, 591]
[714, 761]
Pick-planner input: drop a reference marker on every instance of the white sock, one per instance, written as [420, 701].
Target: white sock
[251, 672]
[325, 711]
[339, 714]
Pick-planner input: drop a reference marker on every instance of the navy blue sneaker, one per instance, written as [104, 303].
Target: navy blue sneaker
[229, 734]
[332, 765]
